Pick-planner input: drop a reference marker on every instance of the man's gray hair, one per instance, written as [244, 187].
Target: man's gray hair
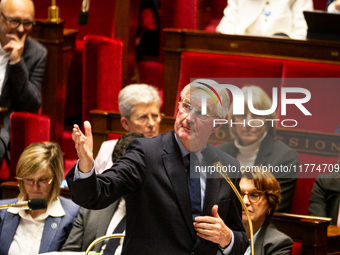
[134, 94]
[222, 109]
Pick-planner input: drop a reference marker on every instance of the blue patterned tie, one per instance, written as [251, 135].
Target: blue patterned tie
[194, 185]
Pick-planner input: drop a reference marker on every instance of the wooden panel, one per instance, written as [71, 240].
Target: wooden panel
[60, 45]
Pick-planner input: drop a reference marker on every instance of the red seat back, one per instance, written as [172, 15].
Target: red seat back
[194, 65]
[26, 128]
[102, 74]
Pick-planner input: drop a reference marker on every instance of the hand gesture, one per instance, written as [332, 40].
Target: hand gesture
[84, 146]
[213, 228]
[15, 46]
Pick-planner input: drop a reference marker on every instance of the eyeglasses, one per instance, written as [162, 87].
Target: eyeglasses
[15, 23]
[253, 196]
[142, 119]
[41, 182]
[188, 108]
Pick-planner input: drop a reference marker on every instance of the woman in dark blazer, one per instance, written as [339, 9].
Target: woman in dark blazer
[40, 171]
[255, 145]
[261, 194]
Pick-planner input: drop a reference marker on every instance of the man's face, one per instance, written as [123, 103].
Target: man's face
[16, 10]
[145, 119]
[192, 131]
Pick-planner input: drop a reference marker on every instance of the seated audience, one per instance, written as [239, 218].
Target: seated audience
[266, 18]
[92, 224]
[333, 6]
[256, 146]
[22, 64]
[261, 194]
[39, 171]
[139, 106]
[324, 201]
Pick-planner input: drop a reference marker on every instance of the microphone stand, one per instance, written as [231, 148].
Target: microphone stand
[101, 239]
[225, 176]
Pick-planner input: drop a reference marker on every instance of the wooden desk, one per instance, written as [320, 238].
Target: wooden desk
[11, 190]
[315, 233]
[3, 110]
[178, 41]
[60, 44]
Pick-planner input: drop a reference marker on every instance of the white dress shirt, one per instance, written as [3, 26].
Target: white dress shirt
[27, 238]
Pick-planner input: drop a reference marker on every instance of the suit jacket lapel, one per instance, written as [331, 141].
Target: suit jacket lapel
[11, 223]
[174, 166]
[50, 229]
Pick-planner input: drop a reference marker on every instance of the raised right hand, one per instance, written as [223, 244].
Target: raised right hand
[84, 146]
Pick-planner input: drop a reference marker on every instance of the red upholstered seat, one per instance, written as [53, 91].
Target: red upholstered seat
[102, 74]
[322, 90]
[26, 128]
[306, 178]
[297, 248]
[207, 65]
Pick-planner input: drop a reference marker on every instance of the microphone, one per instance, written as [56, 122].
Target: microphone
[211, 157]
[32, 204]
[84, 12]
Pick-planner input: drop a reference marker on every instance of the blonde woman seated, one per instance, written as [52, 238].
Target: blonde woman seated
[39, 172]
[255, 144]
[261, 194]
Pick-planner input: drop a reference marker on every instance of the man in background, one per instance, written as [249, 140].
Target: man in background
[22, 64]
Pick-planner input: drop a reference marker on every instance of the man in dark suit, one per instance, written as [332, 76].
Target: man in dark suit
[22, 64]
[159, 195]
[324, 200]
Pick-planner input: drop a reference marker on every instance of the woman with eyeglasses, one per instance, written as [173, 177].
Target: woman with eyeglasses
[39, 171]
[261, 194]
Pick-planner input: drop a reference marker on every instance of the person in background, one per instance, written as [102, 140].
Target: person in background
[261, 194]
[324, 200]
[39, 171]
[139, 107]
[333, 6]
[256, 146]
[22, 64]
[167, 210]
[91, 224]
[266, 18]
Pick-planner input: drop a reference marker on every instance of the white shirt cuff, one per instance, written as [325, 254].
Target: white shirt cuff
[230, 246]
